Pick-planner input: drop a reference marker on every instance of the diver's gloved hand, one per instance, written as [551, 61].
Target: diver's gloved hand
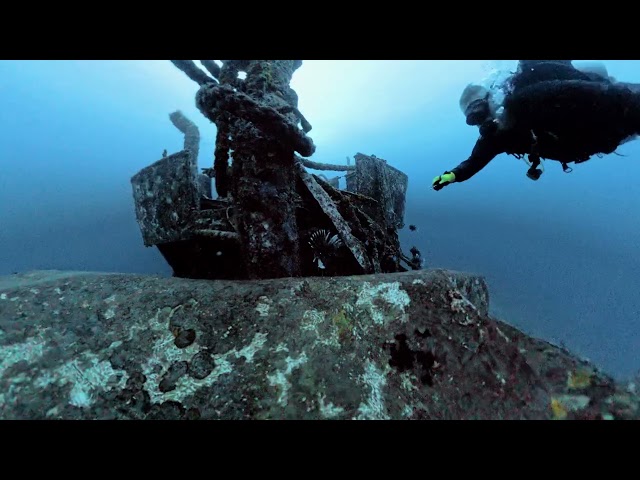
[443, 180]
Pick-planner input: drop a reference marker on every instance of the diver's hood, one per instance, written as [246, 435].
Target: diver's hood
[471, 94]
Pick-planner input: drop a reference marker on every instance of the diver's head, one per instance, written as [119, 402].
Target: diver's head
[474, 103]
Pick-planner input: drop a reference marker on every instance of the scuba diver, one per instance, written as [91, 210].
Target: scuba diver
[547, 109]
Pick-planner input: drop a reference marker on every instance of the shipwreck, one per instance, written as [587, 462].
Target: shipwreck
[271, 217]
[343, 343]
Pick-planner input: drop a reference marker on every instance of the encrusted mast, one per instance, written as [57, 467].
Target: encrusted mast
[258, 118]
[272, 218]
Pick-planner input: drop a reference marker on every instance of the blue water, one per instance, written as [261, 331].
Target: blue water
[560, 254]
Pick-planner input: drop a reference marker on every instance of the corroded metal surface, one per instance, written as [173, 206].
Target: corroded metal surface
[165, 197]
[415, 345]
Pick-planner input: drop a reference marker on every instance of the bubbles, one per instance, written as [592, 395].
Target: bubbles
[493, 65]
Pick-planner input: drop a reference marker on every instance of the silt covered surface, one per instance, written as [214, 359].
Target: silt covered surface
[414, 345]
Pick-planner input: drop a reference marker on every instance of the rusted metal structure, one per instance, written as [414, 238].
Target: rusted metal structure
[271, 217]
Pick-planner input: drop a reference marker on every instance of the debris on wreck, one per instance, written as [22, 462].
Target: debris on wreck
[272, 218]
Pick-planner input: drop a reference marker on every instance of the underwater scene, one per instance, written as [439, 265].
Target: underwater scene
[319, 240]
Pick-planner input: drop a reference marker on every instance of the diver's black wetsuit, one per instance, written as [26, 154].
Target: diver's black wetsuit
[558, 113]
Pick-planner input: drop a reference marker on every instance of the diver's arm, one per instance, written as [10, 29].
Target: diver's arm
[485, 150]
